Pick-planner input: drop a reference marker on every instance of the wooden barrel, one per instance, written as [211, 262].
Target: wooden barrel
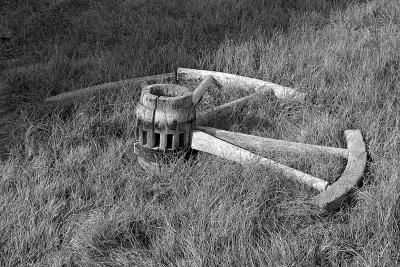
[165, 118]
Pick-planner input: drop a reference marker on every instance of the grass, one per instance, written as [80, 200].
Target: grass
[72, 193]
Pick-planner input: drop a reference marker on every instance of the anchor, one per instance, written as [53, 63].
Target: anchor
[167, 124]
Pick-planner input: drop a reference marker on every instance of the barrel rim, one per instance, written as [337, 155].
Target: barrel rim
[166, 96]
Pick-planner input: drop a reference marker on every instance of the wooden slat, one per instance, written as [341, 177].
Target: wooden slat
[201, 89]
[163, 141]
[175, 141]
[150, 139]
[111, 86]
[207, 116]
[335, 194]
[204, 142]
[268, 145]
[245, 83]
[140, 137]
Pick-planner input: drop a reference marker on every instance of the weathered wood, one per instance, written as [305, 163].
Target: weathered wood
[245, 83]
[335, 194]
[111, 86]
[267, 145]
[211, 114]
[165, 117]
[204, 142]
[163, 111]
[201, 89]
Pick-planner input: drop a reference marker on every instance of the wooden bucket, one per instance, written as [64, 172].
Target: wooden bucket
[165, 118]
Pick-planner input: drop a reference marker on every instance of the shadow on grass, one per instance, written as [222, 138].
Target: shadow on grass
[124, 39]
[53, 47]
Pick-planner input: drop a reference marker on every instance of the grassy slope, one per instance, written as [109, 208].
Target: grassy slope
[72, 193]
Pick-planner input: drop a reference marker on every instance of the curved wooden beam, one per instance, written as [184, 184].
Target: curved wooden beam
[335, 194]
[233, 146]
[207, 116]
[245, 83]
[268, 145]
[111, 86]
[207, 143]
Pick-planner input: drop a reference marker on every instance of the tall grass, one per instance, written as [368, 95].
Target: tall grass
[72, 194]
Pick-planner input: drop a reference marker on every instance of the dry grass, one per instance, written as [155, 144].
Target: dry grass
[72, 194]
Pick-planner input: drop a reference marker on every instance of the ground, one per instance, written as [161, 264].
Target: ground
[72, 193]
